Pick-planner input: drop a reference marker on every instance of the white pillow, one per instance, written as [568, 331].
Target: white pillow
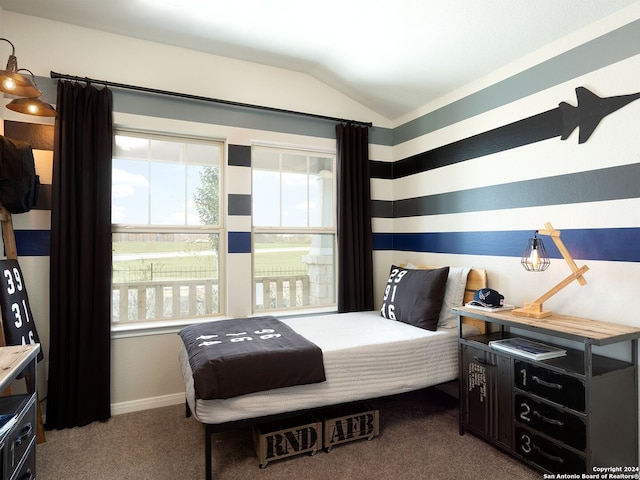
[453, 296]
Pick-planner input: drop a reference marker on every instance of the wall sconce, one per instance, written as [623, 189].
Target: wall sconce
[32, 105]
[535, 258]
[12, 82]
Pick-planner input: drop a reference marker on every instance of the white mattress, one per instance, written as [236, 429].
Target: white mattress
[365, 356]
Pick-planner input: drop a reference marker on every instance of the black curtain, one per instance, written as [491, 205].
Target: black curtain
[80, 273]
[355, 243]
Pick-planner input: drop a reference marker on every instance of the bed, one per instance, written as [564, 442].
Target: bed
[365, 355]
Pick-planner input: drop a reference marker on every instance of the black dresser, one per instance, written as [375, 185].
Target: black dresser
[573, 414]
[18, 413]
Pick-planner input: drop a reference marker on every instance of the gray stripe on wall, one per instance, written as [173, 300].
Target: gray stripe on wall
[593, 186]
[239, 204]
[221, 114]
[381, 209]
[154, 105]
[593, 55]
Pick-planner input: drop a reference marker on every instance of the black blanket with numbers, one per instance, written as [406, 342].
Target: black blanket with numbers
[234, 357]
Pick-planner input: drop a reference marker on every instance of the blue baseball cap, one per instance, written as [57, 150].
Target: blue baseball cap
[487, 297]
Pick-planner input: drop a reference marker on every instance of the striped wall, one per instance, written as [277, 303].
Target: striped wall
[32, 229]
[473, 180]
[614, 184]
[35, 241]
[239, 203]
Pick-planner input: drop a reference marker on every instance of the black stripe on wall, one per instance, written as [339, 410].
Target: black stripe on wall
[44, 198]
[380, 169]
[38, 135]
[517, 134]
[239, 156]
[613, 183]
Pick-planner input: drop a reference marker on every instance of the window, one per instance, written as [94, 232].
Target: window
[294, 229]
[166, 227]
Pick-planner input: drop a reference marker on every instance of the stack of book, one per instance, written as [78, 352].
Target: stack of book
[501, 308]
[527, 348]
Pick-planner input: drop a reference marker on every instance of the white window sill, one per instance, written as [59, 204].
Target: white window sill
[174, 326]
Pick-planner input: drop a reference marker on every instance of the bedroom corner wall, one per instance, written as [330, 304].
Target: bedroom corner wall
[473, 179]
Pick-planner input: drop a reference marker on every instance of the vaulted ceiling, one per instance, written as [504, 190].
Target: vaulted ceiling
[390, 55]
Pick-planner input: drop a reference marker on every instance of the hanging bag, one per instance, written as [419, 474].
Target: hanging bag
[19, 183]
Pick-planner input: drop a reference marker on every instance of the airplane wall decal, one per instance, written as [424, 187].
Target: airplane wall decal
[558, 122]
[590, 111]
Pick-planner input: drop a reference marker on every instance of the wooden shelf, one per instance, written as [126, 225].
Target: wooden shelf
[13, 360]
[583, 330]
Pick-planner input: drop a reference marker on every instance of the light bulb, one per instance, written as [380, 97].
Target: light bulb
[534, 258]
[9, 84]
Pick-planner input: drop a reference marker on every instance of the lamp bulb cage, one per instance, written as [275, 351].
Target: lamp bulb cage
[535, 257]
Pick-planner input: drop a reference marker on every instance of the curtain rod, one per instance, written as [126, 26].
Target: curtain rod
[106, 83]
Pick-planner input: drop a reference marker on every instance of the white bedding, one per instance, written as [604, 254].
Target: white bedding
[365, 356]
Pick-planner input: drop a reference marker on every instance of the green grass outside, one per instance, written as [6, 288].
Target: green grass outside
[196, 266]
[152, 247]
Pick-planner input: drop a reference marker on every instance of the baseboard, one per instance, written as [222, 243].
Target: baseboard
[147, 403]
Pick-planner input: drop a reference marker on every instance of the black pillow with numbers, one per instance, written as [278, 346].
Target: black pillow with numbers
[17, 320]
[415, 296]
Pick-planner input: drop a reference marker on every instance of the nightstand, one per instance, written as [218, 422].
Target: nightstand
[562, 415]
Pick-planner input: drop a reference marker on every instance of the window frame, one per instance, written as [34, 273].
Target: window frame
[161, 325]
[311, 230]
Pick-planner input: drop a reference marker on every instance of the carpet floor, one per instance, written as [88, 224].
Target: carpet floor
[418, 439]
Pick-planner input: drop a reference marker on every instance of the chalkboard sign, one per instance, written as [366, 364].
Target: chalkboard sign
[17, 320]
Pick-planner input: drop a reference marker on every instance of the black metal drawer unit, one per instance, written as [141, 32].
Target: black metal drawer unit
[17, 444]
[563, 415]
[18, 437]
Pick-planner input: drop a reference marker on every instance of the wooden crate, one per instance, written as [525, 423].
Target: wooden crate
[276, 440]
[348, 423]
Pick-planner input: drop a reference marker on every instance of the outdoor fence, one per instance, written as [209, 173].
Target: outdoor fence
[156, 299]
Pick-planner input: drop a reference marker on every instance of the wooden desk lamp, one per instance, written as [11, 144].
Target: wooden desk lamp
[537, 262]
